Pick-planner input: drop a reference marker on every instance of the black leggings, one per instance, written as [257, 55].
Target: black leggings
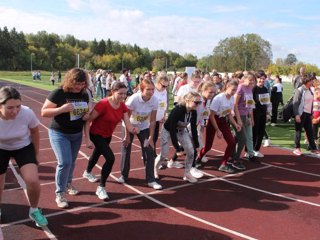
[102, 147]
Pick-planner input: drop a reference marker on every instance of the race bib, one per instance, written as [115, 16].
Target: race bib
[139, 118]
[249, 101]
[316, 106]
[205, 114]
[225, 112]
[162, 105]
[80, 108]
[264, 98]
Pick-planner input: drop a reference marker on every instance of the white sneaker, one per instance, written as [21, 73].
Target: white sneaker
[273, 124]
[174, 164]
[155, 185]
[246, 155]
[204, 159]
[61, 201]
[258, 154]
[121, 180]
[266, 143]
[89, 176]
[101, 193]
[188, 177]
[72, 190]
[196, 173]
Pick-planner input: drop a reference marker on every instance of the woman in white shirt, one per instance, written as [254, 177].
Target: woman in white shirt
[222, 107]
[161, 94]
[19, 139]
[142, 110]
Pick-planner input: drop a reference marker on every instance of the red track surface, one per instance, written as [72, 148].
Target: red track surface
[276, 200]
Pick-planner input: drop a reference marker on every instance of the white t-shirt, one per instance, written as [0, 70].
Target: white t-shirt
[141, 110]
[124, 79]
[203, 112]
[183, 90]
[221, 105]
[162, 99]
[15, 134]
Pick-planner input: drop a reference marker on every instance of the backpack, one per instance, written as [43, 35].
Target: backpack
[287, 110]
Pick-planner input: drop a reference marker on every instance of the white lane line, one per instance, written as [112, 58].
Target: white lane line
[264, 191]
[292, 170]
[22, 184]
[284, 168]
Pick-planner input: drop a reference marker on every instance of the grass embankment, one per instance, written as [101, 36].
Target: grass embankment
[26, 79]
[282, 134]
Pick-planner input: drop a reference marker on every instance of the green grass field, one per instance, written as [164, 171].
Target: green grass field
[282, 134]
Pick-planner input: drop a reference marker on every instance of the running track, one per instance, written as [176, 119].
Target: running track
[278, 199]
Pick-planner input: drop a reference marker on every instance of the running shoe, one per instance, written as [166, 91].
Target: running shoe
[91, 178]
[72, 190]
[188, 177]
[297, 152]
[101, 193]
[155, 185]
[174, 164]
[226, 168]
[38, 218]
[61, 201]
[196, 173]
[238, 165]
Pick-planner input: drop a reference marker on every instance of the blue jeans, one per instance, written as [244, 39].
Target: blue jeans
[66, 148]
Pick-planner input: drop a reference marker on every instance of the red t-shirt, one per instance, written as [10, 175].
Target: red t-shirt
[316, 108]
[108, 118]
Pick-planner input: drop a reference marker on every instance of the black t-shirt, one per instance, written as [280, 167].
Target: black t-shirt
[256, 91]
[70, 122]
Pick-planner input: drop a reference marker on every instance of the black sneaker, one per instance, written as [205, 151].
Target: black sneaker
[230, 162]
[238, 165]
[226, 168]
[254, 159]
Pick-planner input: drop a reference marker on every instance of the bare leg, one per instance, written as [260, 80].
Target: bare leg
[30, 176]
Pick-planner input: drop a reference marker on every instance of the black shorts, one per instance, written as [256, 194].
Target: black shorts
[22, 156]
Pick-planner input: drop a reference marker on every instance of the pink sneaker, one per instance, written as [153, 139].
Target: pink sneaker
[297, 151]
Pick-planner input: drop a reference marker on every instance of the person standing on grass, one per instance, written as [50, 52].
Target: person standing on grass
[68, 107]
[104, 119]
[19, 139]
[221, 109]
[302, 110]
[142, 110]
[297, 80]
[52, 78]
[276, 99]
[175, 129]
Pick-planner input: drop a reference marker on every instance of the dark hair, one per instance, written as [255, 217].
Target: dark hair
[118, 85]
[260, 74]
[215, 74]
[307, 78]
[124, 70]
[313, 75]
[7, 93]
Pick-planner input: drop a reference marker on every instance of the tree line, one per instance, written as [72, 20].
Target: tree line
[49, 51]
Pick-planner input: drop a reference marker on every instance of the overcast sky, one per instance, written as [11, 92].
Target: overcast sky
[183, 26]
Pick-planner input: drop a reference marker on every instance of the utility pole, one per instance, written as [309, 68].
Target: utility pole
[245, 62]
[31, 61]
[78, 60]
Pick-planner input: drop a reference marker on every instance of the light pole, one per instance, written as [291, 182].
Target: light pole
[78, 60]
[166, 65]
[245, 62]
[122, 65]
[31, 61]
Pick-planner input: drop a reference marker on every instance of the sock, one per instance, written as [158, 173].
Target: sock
[31, 210]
